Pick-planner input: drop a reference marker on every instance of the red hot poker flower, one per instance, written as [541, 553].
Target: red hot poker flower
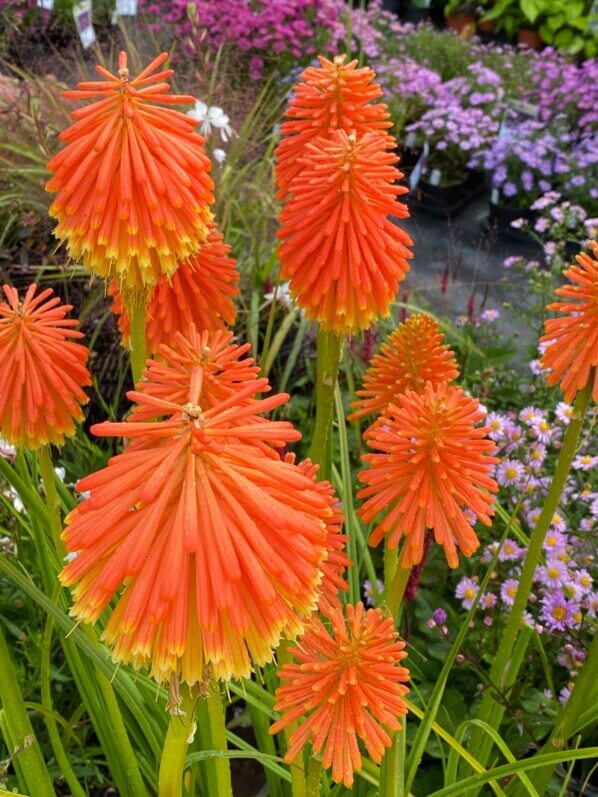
[332, 96]
[572, 338]
[340, 250]
[217, 542]
[132, 183]
[411, 356]
[344, 684]
[432, 462]
[43, 372]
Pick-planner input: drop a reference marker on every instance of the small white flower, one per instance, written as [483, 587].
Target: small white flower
[61, 473]
[211, 118]
[219, 156]
[7, 450]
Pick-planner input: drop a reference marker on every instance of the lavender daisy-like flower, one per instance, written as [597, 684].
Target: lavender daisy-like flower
[557, 522]
[563, 412]
[509, 472]
[530, 415]
[489, 316]
[536, 456]
[508, 591]
[466, 591]
[590, 604]
[496, 423]
[585, 462]
[584, 581]
[553, 574]
[510, 551]
[488, 600]
[557, 612]
[554, 542]
[542, 430]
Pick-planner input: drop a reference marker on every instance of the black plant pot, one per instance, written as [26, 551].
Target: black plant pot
[448, 200]
[501, 216]
[415, 14]
[409, 156]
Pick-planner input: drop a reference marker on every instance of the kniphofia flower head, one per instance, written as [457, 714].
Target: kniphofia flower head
[413, 354]
[217, 542]
[572, 338]
[200, 293]
[42, 370]
[132, 184]
[432, 463]
[337, 560]
[329, 97]
[345, 683]
[340, 250]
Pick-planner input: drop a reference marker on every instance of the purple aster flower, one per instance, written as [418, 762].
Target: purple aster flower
[585, 462]
[557, 612]
[557, 522]
[509, 472]
[542, 430]
[530, 415]
[466, 591]
[590, 604]
[537, 454]
[508, 591]
[439, 616]
[510, 551]
[563, 412]
[565, 694]
[489, 316]
[553, 574]
[488, 600]
[496, 423]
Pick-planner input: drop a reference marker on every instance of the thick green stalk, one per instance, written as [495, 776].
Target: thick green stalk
[217, 723]
[504, 673]
[314, 773]
[180, 730]
[20, 730]
[328, 360]
[46, 470]
[137, 343]
[564, 727]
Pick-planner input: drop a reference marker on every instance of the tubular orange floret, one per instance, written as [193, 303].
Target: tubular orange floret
[332, 96]
[132, 184]
[43, 372]
[219, 542]
[340, 250]
[413, 354]
[433, 463]
[571, 339]
[200, 293]
[344, 684]
[337, 561]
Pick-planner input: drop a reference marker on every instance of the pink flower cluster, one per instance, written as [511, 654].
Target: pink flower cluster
[259, 29]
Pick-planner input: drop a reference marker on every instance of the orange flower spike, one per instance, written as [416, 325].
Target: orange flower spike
[572, 338]
[43, 371]
[344, 684]
[201, 293]
[132, 183]
[433, 462]
[340, 250]
[332, 96]
[337, 560]
[218, 541]
[411, 356]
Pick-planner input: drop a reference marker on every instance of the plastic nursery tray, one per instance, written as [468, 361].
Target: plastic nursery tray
[447, 200]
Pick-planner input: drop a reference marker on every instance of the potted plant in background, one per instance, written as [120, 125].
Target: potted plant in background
[416, 10]
[507, 17]
[453, 138]
[460, 16]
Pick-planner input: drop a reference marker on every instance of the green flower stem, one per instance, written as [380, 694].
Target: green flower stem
[392, 771]
[504, 672]
[313, 777]
[298, 783]
[217, 725]
[20, 730]
[46, 469]
[328, 360]
[565, 725]
[137, 343]
[172, 763]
